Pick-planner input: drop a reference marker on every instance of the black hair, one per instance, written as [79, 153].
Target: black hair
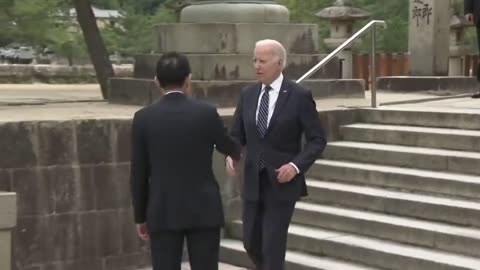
[172, 70]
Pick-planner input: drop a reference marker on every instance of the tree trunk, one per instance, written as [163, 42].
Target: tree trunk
[96, 48]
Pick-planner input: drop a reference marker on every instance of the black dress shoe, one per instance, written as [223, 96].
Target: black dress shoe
[476, 95]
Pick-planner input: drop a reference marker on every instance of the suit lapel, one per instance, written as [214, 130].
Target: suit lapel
[282, 98]
[253, 104]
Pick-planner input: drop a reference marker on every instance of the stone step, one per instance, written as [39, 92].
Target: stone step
[445, 138]
[232, 251]
[370, 251]
[405, 156]
[424, 181]
[453, 211]
[427, 117]
[441, 236]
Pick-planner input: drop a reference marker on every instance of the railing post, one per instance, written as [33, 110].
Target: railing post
[8, 219]
[373, 73]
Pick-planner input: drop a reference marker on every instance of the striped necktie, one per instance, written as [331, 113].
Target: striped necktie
[262, 122]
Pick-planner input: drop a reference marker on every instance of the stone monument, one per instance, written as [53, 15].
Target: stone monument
[342, 16]
[428, 37]
[218, 37]
[434, 37]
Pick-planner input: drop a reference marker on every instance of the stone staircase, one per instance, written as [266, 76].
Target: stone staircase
[400, 191]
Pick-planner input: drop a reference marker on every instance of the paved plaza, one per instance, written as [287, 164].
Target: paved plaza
[62, 102]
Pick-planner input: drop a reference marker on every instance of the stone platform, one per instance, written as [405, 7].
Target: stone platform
[134, 91]
[447, 85]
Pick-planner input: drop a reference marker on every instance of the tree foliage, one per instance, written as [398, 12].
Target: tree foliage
[394, 12]
[36, 22]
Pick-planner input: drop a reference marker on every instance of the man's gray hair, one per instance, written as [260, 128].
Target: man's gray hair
[278, 49]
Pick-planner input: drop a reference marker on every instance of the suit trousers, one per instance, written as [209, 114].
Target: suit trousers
[203, 246]
[265, 227]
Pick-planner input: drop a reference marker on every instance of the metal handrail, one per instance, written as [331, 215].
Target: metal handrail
[345, 44]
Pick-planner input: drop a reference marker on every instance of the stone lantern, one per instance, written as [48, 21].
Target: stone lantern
[342, 16]
[458, 46]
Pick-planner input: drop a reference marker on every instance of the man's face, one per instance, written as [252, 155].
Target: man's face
[268, 66]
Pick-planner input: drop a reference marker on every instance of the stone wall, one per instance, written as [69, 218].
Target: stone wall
[72, 182]
[55, 73]
[8, 217]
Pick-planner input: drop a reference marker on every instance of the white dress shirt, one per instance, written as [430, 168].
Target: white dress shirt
[273, 96]
[276, 86]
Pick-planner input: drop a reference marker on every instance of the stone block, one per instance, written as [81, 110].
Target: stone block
[56, 143]
[342, 88]
[90, 264]
[34, 191]
[236, 38]
[72, 188]
[428, 39]
[208, 67]
[93, 141]
[235, 12]
[32, 241]
[113, 180]
[131, 243]
[121, 134]
[8, 210]
[132, 91]
[108, 238]
[54, 73]
[64, 234]
[133, 261]
[5, 181]
[435, 84]
[18, 143]
[5, 249]
[226, 93]
[88, 232]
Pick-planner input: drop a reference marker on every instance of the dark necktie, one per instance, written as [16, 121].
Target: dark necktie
[262, 121]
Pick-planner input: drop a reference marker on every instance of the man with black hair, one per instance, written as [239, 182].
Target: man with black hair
[175, 194]
[472, 15]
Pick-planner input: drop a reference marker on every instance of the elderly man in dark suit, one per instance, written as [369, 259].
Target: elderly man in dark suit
[472, 15]
[270, 119]
[175, 194]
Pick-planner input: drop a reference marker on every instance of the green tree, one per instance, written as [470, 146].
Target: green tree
[136, 34]
[394, 12]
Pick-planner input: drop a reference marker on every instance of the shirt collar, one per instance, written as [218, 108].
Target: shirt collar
[173, 91]
[276, 84]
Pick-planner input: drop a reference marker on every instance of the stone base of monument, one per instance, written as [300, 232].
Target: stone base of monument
[235, 38]
[237, 66]
[224, 93]
[441, 84]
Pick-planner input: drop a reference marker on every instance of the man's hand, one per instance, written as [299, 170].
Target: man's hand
[142, 231]
[469, 17]
[230, 165]
[286, 173]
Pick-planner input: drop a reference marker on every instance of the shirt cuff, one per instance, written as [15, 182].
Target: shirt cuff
[295, 166]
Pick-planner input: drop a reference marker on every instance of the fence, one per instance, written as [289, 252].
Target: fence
[396, 64]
